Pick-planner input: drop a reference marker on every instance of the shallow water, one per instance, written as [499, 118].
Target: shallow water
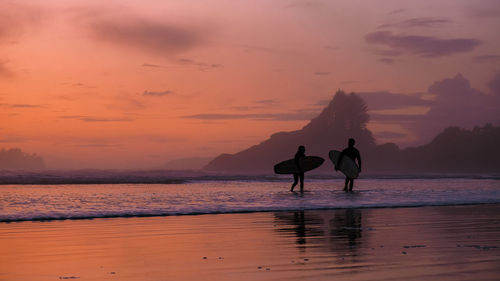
[45, 202]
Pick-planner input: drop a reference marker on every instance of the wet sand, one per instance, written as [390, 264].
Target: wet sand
[425, 243]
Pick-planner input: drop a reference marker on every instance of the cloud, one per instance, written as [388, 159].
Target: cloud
[423, 46]
[487, 9]
[397, 11]
[268, 102]
[97, 145]
[388, 100]
[487, 59]
[426, 22]
[82, 85]
[20, 105]
[96, 119]
[297, 116]
[390, 135]
[157, 94]
[454, 103]
[201, 65]
[258, 104]
[13, 139]
[146, 35]
[494, 84]
[151, 65]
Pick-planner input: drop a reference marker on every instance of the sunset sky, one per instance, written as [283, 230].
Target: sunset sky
[134, 84]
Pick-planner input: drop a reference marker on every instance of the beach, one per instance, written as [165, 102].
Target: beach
[418, 243]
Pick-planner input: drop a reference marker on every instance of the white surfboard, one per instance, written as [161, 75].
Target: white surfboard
[347, 166]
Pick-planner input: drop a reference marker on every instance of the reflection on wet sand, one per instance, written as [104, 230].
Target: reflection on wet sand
[340, 231]
[445, 243]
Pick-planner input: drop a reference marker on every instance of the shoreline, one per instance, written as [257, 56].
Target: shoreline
[240, 212]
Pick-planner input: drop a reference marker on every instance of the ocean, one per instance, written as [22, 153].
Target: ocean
[94, 195]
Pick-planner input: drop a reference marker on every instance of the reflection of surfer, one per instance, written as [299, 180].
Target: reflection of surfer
[299, 155]
[352, 153]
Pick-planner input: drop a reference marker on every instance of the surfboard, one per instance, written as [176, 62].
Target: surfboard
[307, 163]
[348, 167]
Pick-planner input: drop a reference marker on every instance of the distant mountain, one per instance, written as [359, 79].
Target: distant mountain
[195, 163]
[14, 158]
[345, 117]
[455, 150]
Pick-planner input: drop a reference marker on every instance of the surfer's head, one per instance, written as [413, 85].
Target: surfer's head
[351, 142]
[302, 149]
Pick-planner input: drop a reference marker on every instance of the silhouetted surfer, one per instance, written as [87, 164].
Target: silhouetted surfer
[352, 153]
[299, 155]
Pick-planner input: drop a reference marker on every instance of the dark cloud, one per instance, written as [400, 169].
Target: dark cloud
[146, 35]
[297, 116]
[389, 135]
[157, 93]
[423, 46]
[487, 59]
[388, 100]
[405, 119]
[455, 103]
[484, 9]
[96, 119]
[417, 22]
[494, 84]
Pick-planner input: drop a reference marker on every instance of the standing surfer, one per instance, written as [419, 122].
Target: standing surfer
[352, 153]
[300, 175]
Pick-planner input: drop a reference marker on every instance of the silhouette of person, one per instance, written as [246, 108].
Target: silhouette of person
[300, 175]
[352, 153]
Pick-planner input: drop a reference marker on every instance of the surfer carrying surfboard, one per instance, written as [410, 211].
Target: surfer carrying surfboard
[353, 154]
[300, 175]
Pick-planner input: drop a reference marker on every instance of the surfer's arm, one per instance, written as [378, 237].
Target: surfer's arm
[359, 162]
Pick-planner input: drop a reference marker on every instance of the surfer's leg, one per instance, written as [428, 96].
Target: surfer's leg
[346, 183]
[301, 176]
[351, 185]
[295, 181]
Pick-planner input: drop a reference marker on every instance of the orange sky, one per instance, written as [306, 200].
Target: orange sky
[134, 84]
